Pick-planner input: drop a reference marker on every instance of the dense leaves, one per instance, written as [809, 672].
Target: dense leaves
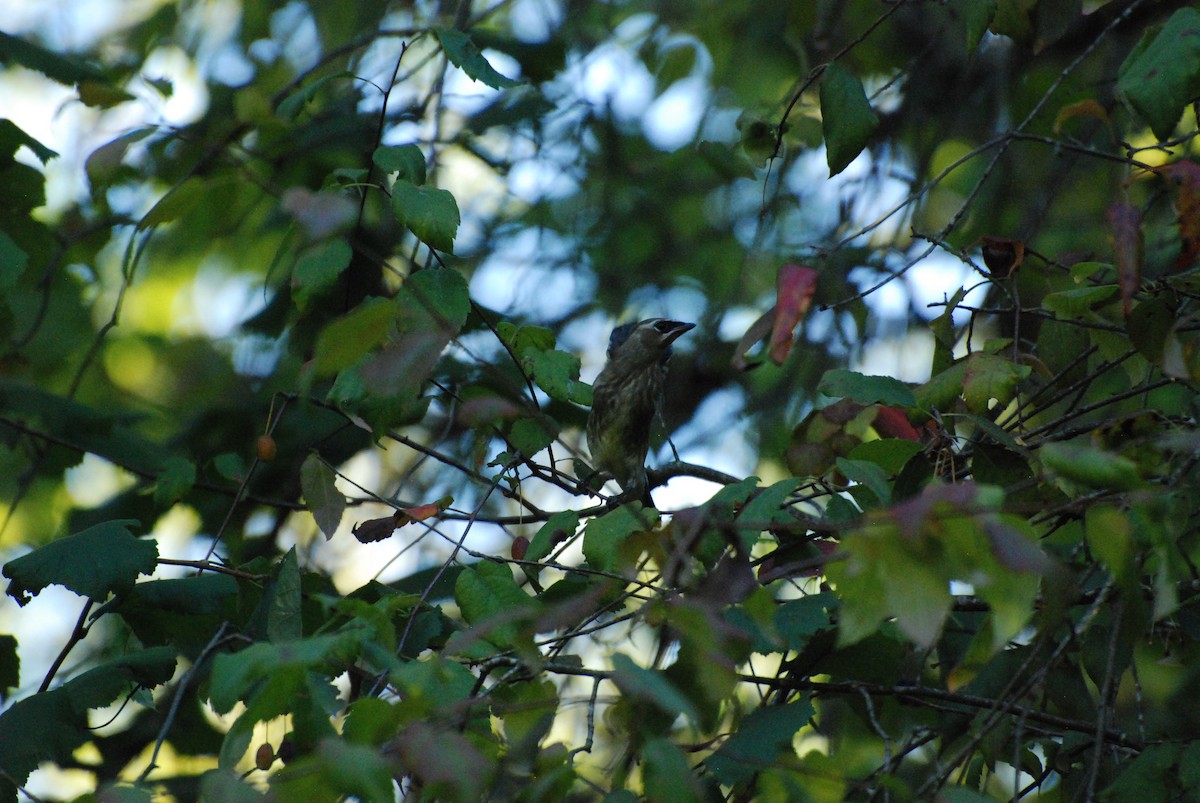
[294, 392]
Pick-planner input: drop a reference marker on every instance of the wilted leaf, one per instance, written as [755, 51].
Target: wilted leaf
[1125, 225]
[1002, 255]
[1083, 108]
[794, 288]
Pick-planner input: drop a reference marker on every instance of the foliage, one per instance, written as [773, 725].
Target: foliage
[978, 586]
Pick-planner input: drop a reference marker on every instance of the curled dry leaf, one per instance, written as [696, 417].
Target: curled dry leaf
[1002, 255]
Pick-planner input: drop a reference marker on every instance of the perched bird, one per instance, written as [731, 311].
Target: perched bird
[627, 398]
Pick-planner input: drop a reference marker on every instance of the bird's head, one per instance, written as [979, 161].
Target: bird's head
[645, 342]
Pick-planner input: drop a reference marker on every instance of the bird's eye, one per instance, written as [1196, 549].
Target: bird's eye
[665, 326]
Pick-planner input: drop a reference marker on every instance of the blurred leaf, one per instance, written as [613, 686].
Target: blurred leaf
[321, 495]
[96, 562]
[846, 116]
[318, 268]
[346, 340]
[290, 107]
[1090, 466]
[979, 15]
[650, 687]
[320, 213]
[52, 65]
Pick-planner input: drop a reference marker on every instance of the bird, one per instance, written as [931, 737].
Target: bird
[627, 397]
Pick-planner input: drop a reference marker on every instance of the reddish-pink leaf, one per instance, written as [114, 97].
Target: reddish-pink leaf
[1125, 224]
[794, 288]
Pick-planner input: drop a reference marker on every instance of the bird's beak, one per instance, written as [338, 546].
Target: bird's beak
[677, 329]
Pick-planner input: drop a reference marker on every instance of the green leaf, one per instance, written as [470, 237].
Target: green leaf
[239, 675]
[283, 618]
[979, 15]
[759, 741]
[230, 466]
[604, 536]
[1162, 74]
[846, 117]
[406, 161]
[487, 595]
[1091, 466]
[667, 775]
[12, 138]
[650, 687]
[431, 213]
[442, 293]
[176, 479]
[290, 106]
[890, 454]
[10, 665]
[555, 372]
[360, 771]
[868, 474]
[48, 63]
[100, 560]
[1078, 301]
[798, 620]
[463, 54]
[177, 202]
[559, 527]
[989, 376]
[531, 435]
[49, 726]
[349, 338]
[727, 162]
[842, 384]
[12, 261]
[321, 495]
[318, 268]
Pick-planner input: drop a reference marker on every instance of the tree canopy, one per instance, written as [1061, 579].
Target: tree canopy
[296, 352]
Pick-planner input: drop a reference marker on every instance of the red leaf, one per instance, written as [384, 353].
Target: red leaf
[408, 515]
[1125, 223]
[1187, 206]
[794, 288]
[893, 423]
